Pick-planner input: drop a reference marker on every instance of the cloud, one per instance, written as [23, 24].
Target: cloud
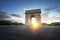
[11, 17]
[55, 18]
[46, 19]
[51, 14]
[51, 8]
[15, 15]
[4, 15]
[58, 10]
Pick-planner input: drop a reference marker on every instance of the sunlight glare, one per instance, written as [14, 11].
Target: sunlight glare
[34, 23]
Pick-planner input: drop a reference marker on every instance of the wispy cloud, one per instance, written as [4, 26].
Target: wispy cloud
[51, 14]
[46, 19]
[51, 8]
[11, 17]
[4, 15]
[58, 10]
[50, 17]
[55, 18]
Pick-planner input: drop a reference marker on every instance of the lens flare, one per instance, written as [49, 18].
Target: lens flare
[34, 23]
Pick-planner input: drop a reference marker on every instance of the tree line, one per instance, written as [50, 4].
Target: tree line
[6, 22]
[52, 24]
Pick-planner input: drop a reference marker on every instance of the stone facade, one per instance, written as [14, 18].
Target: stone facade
[32, 13]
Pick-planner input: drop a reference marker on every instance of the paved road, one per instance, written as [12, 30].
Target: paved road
[21, 32]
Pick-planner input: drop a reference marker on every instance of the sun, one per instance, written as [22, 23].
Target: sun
[34, 23]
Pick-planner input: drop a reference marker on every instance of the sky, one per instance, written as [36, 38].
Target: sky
[14, 10]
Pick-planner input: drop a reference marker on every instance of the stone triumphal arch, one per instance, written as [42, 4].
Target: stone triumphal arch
[32, 13]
